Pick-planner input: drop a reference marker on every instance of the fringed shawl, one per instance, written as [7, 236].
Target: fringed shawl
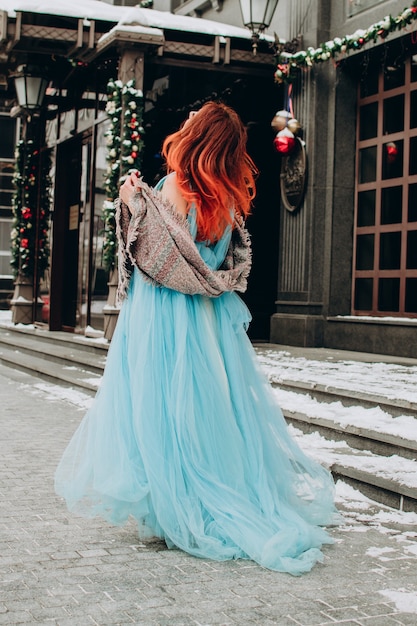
[153, 237]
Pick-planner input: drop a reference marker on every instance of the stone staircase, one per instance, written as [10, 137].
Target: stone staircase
[74, 361]
[58, 357]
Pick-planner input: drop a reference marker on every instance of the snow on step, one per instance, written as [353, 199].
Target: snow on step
[387, 380]
[395, 469]
[351, 417]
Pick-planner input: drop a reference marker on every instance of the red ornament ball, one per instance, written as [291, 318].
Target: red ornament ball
[392, 151]
[284, 142]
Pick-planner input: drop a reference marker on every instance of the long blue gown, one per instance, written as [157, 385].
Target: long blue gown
[185, 436]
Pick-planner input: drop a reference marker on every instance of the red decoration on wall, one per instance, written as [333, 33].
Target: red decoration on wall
[392, 151]
[284, 142]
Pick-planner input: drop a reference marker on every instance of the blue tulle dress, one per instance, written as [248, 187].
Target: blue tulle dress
[185, 436]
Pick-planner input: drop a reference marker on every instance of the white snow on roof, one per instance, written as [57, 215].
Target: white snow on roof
[89, 9]
[94, 9]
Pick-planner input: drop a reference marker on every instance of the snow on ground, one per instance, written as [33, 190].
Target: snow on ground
[360, 513]
[405, 601]
[81, 401]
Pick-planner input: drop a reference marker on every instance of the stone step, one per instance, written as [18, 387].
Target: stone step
[40, 334]
[61, 351]
[392, 482]
[77, 376]
[359, 437]
[351, 397]
[303, 371]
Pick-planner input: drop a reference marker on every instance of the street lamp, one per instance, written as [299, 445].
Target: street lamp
[30, 87]
[257, 15]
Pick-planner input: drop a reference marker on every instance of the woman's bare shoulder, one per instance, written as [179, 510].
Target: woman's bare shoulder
[172, 193]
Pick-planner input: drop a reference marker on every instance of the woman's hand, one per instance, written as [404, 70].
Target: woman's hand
[130, 188]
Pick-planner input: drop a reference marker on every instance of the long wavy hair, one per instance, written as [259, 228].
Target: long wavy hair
[213, 169]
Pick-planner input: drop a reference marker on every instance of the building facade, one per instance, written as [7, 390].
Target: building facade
[347, 269]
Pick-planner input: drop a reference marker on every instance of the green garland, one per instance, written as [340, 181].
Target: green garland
[288, 64]
[30, 164]
[124, 153]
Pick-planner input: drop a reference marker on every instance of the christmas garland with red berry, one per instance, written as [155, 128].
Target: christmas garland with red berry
[32, 168]
[288, 64]
[125, 146]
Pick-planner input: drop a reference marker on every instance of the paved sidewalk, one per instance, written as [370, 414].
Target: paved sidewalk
[59, 569]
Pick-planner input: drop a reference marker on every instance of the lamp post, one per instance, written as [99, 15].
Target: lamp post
[30, 85]
[257, 15]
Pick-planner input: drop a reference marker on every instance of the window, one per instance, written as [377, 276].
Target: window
[385, 258]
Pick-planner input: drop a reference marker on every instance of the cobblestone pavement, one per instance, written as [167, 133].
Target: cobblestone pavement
[59, 569]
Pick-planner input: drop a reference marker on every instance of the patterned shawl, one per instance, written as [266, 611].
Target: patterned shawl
[154, 238]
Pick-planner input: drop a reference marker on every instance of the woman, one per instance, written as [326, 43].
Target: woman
[184, 433]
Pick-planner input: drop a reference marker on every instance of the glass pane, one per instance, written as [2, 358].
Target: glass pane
[367, 165]
[5, 228]
[363, 294]
[391, 205]
[365, 252]
[390, 251]
[369, 83]
[412, 203]
[5, 268]
[368, 124]
[389, 294]
[394, 76]
[412, 250]
[411, 295]
[6, 180]
[413, 109]
[5, 198]
[413, 156]
[392, 159]
[413, 70]
[366, 208]
[8, 136]
[394, 114]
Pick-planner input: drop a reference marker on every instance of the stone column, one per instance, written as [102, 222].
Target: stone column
[131, 67]
[305, 240]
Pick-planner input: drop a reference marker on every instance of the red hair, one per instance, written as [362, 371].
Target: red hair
[213, 169]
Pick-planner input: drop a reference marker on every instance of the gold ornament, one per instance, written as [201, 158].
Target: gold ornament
[294, 126]
[280, 120]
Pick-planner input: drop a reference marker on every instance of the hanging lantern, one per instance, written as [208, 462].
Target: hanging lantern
[30, 87]
[257, 15]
